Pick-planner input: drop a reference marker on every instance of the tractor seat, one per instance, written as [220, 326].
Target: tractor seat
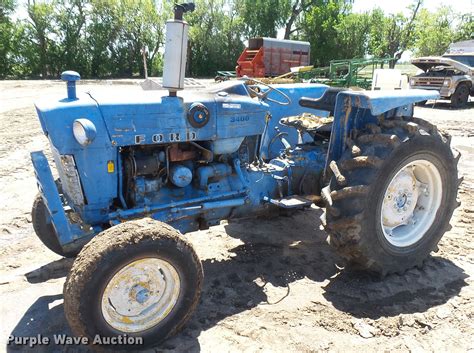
[308, 122]
[326, 102]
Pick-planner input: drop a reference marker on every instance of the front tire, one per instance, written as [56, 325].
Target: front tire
[139, 278]
[460, 96]
[394, 197]
[44, 229]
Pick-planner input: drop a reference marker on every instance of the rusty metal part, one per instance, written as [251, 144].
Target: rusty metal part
[207, 155]
[70, 180]
[177, 155]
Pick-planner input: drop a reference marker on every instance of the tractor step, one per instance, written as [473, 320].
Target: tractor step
[293, 201]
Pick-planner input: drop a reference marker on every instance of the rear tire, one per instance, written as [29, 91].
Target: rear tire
[460, 96]
[139, 278]
[44, 229]
[378, 190]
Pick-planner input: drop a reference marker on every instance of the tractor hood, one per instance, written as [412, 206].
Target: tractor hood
[152, 117]
[427, 62]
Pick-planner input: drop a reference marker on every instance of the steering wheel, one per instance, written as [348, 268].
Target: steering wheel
[264, 95]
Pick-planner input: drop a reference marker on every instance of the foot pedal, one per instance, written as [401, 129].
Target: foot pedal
[293, 201]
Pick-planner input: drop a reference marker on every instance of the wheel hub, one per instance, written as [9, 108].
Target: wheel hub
[400, 200]
[409, 208]
[140, 295]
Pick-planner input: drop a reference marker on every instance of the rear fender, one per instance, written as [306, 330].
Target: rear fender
[355, 109]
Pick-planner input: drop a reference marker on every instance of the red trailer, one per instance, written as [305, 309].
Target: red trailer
[267, 57]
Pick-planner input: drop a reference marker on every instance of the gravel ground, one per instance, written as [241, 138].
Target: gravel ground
[270, 285]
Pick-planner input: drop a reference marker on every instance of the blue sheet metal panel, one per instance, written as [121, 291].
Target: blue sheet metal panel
[58, 116]
[151, 119]
[91, 160]
[354, 109]
[239, 116]
[41, 120]
[234, 87]
[382, 101]
[295, 92]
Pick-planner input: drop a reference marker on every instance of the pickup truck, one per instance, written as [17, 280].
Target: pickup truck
[451, 74]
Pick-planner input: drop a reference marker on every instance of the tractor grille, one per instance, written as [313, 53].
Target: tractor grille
[429, 81]
[70, 181]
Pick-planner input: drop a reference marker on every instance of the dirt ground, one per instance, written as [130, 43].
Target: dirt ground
[271, 285]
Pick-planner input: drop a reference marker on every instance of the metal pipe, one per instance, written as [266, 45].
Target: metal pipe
[223, 203]
[238, 170]
[153, 208]
[262, 138]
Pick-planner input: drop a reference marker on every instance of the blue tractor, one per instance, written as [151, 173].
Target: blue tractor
[138, 171]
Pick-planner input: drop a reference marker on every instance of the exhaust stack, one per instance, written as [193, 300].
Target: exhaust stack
[176, 46]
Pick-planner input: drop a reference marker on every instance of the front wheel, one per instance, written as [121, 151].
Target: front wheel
[460, 97]
[44, 229]
[394, 197]
[139, 278]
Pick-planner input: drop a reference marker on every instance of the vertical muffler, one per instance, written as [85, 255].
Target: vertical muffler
[176, 47]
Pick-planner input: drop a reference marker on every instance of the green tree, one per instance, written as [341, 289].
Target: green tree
[265, 18]
[433, 32]
[320, 27]
[39, 46]
[118, 30]
[262, 18]
[392, 35]
[352, 35]
[139, 26]
[214, 37]
[7, 29]
[102, 29]
[70, 22]
[465, 28]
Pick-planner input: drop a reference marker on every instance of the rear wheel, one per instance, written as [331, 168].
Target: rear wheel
[139, 279]
[460, 97]
[394, 197]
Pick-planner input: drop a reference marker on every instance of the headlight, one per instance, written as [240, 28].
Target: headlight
[446, 82]
[84, 131]
[412, 82]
